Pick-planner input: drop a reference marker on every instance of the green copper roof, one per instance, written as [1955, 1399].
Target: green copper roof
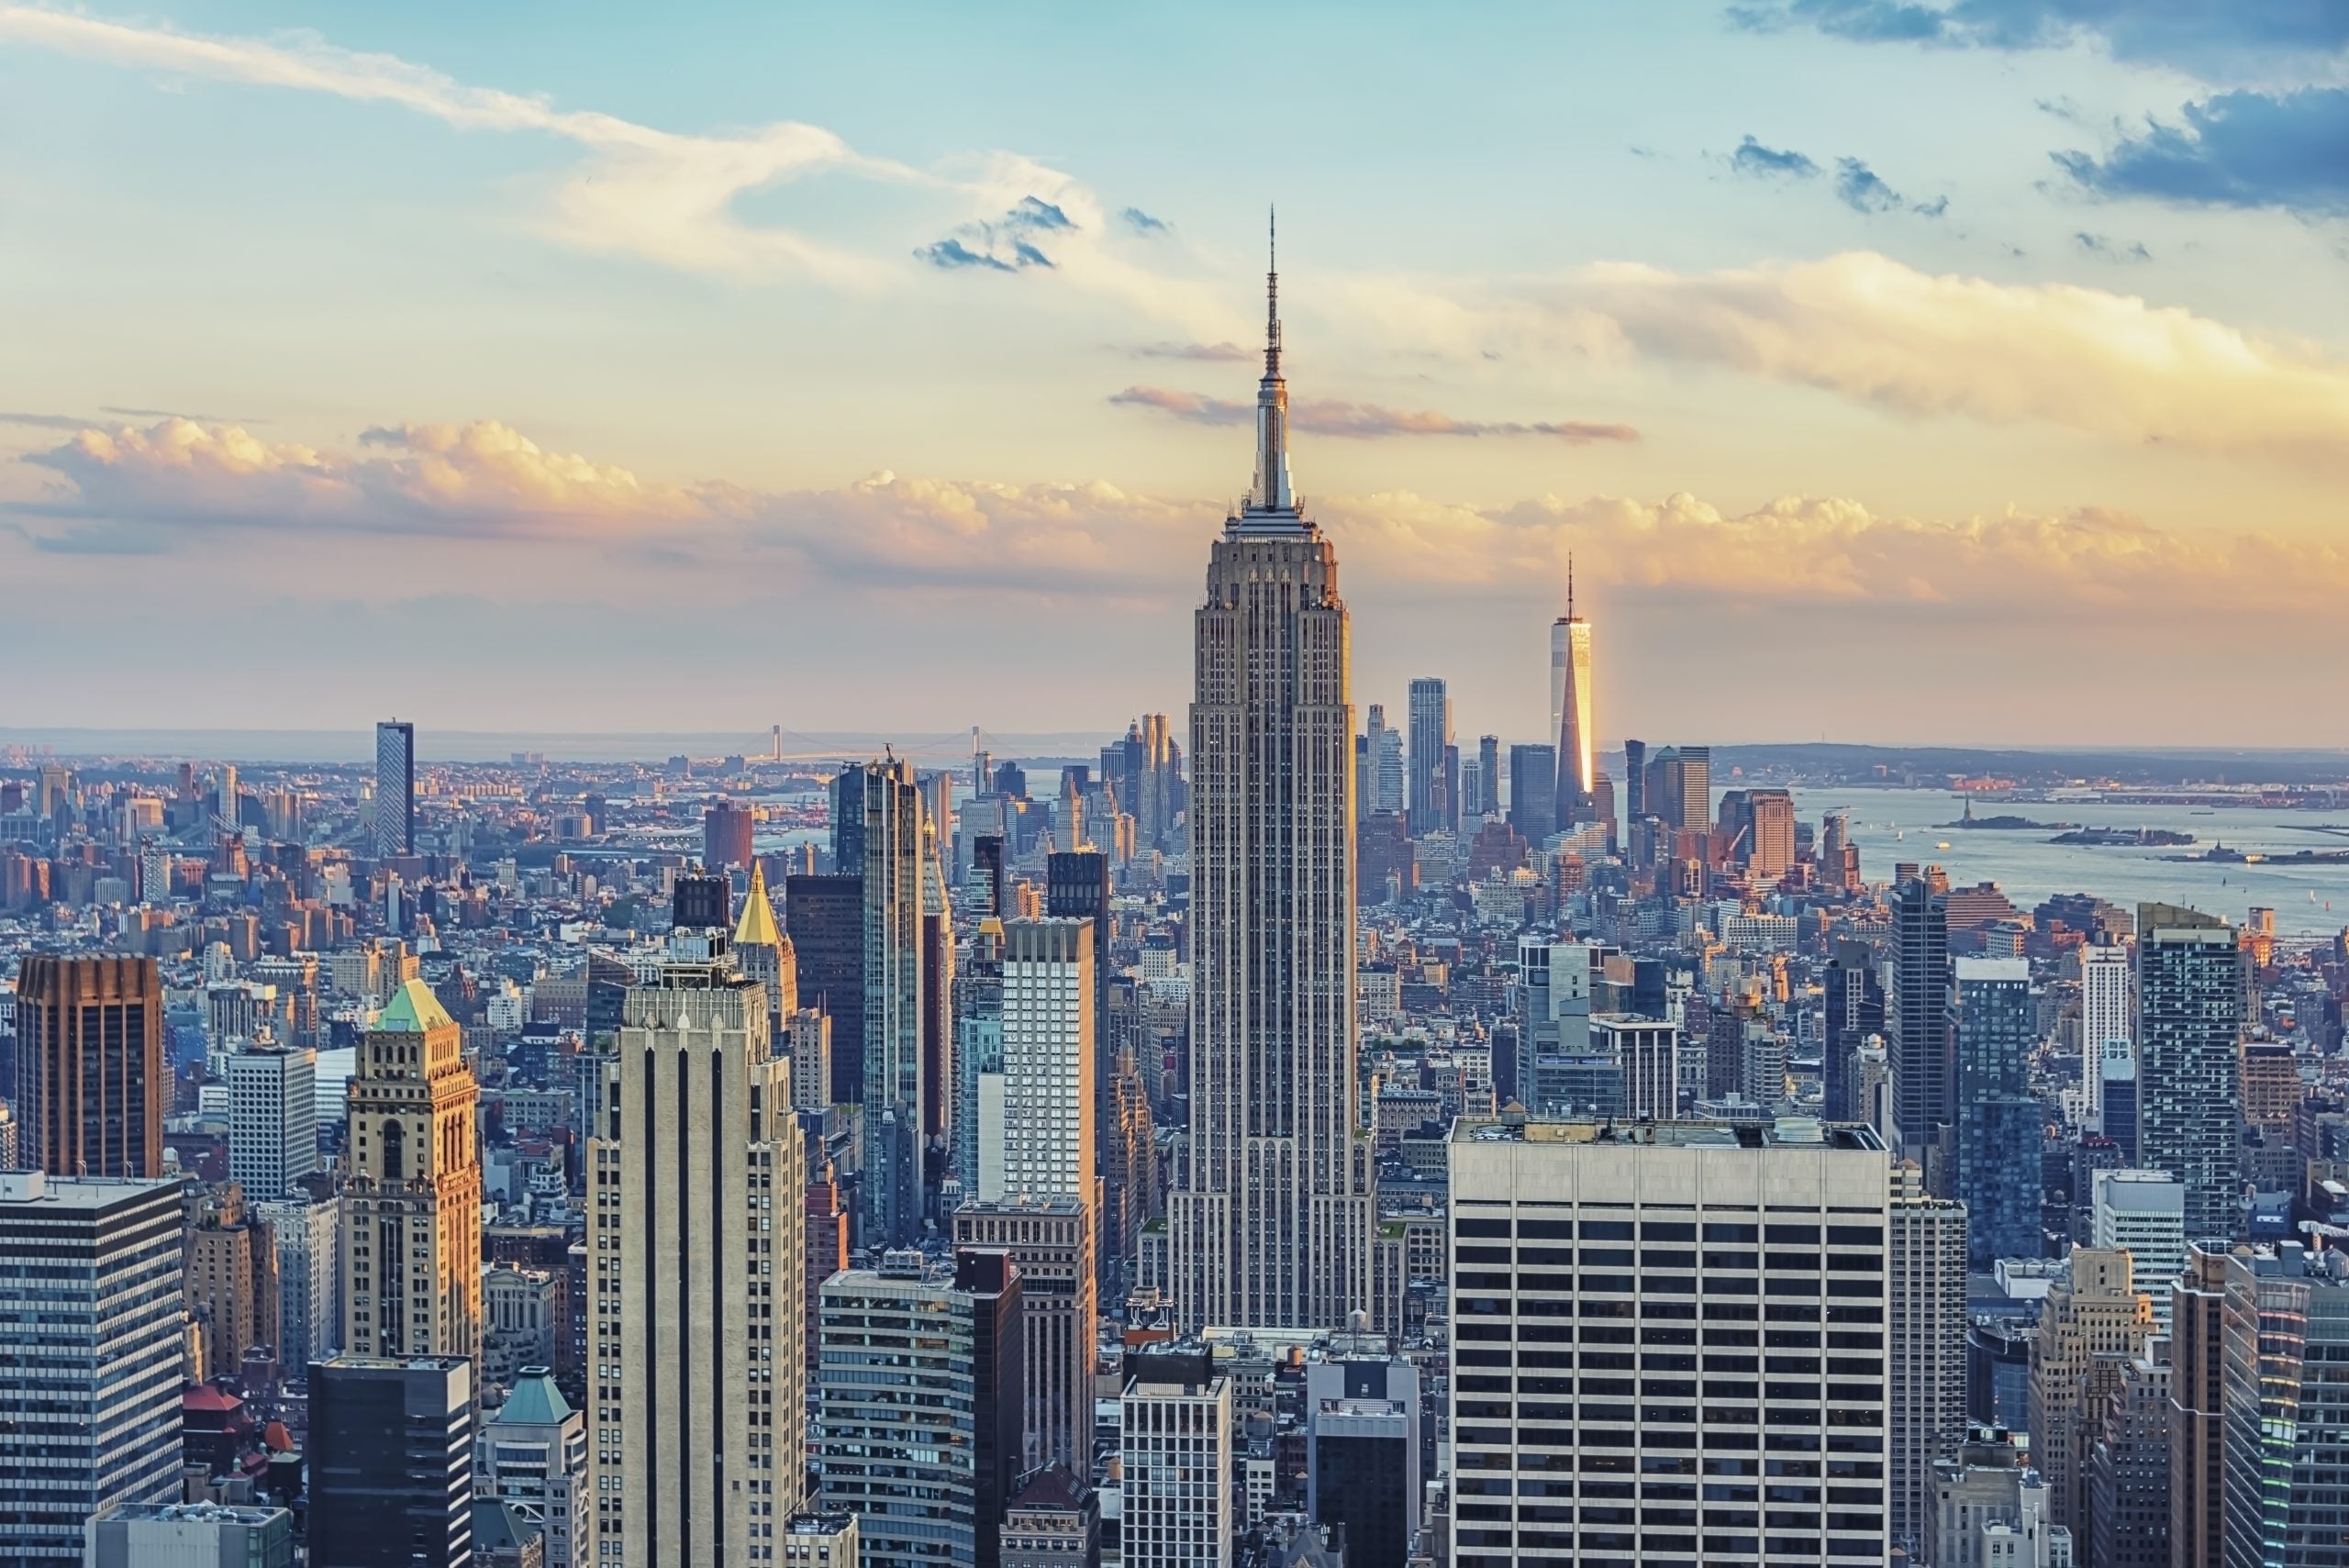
[413, 1010]
[535, 1402]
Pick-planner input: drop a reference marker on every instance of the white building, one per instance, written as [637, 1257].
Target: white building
[1658, 1311]
[2106, 988]
[1648, 1051]
[272, 1120]
[1175, 1442]
[695, 1301]
[2144, 1212]
[94, 1398]
[1048, 1060]
[532, 1456]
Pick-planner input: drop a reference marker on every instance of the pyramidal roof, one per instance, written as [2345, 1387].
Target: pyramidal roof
[535, 1402]
[757, 929]
[413, 1010]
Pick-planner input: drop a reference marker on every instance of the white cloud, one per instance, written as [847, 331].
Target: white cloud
[140, 490]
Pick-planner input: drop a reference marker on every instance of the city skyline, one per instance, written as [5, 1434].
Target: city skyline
[1973, 411]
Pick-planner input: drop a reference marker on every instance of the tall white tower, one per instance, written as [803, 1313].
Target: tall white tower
[1275, 1225]
[1570, 708]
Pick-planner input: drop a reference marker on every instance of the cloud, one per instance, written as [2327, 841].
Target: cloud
[1360, 420]
[2237, 150]
[1142, 223]
[950, 254]
[485, 483]
[1754, 159]
[2210, 39]
[2109, 250]
[1004, 244]
[655, 195]
[1859, 187]
[1218, 353]
[45, 421]
[1870, 328]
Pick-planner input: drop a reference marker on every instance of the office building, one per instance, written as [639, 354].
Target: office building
[696, 1194]
[1648, 1052]
[1055, 1522]
[2129, 1501]
[1362, 1448]
[1918, 1010]
[1486, 800]
[1926, 1359]
[190, 1535]
[92, 1400]
[231, 1278]
[1854, 996]
[2143, 1214]
[2091, 1325]
[308, 1236]
[395, 789]
[821, 1541]
[826, 916]
[1770, 836]
[1990, 1508]
[1383, 750]
[918, 1426]
[2105, 996]
[391, 1461]
[2117, 1099]
[533, 1458]
[1431, 808]
[2000, 1126]
[1048, 1059]
[1175, 1439]
[89, 1075]
[1678, 788]
[727, 836]
[1076, 887]
[2189, 1096]
[411, 1200]
[1275, 1225]
[272, 1120]
[764, 953]
[1579, 1314]
[1051, 1241]
[1532, 792]
[1570, 723]
[878, 836]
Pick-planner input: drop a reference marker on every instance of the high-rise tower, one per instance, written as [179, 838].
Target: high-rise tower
[1275, 1225]
[90, 1066]
[395, 789]
[1570, 710]
[411, 1230]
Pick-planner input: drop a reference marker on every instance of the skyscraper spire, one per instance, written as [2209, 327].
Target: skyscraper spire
[1570, 584]
[1271, 492]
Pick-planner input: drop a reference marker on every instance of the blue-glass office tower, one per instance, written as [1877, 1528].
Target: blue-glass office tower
[1855, 1011]
[1999, 1127]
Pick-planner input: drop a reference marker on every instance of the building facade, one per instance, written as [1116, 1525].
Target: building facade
[395, 789]
[90, 1074]
[1275, 1225]
[2189, 1092]
[1596, 1273]
[411, 1202]
[391, 1461]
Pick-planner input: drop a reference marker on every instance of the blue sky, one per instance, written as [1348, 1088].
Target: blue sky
[1935, 354]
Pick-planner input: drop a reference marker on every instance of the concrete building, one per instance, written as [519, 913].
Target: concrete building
[308, 1236]
[2189, 1092]
[89, 1075]
[819, 1540]
[272, 1120]
[190, 1535]
[2143, 1214]
[533, 1458]
[877, 832]
[391, 1461]
[2092, 1326]
[411, 1214]
[1051, 1241]
[2106, 995]
[1175, 1439]
[696, 1196]
[1275, 1223]
[2129, 1477]
[917, 1432]
[1048, 1059]
[1648, 1050]
[93, 1398]
[1362, 1448]
[231, 1280]
[1926, 1359]
[1055, 1522]
[1990, 1510]
[1571, 1228]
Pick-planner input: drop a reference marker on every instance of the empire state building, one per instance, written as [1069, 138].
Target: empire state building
[1275, 1223]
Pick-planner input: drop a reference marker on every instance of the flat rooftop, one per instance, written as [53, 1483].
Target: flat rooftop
[1785, 1132]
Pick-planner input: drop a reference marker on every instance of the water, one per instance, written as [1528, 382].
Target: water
[2029, 868]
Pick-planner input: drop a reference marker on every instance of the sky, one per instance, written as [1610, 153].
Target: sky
[1892, 371]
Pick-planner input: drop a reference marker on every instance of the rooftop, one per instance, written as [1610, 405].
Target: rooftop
[414, 1009]
[1514, 1126]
